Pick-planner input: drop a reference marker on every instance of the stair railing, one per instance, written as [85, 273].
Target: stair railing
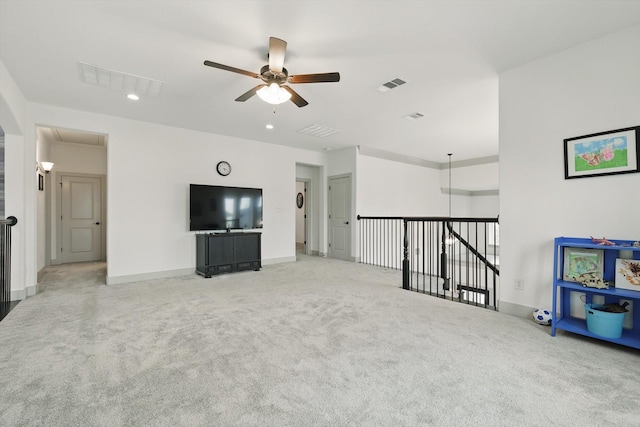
[454, 258]
[5, 258]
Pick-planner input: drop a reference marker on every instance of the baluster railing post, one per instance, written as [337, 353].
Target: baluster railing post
[5, 258]
[443, 258]
[405, 260]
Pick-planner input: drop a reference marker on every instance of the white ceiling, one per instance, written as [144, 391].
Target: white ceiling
[449, 52]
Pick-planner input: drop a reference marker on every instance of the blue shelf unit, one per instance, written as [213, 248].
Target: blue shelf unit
[561, 312]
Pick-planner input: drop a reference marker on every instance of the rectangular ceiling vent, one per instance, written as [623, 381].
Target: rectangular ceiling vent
[318, 130]
[414, 116]
[390, 85]
[118, 80]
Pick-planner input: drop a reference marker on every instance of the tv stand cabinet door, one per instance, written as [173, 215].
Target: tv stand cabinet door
[220, 250]
[248, 250]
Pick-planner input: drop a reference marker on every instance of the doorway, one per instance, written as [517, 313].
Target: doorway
[340, 217]
[301, 217]
[81, 218]
[73, 209]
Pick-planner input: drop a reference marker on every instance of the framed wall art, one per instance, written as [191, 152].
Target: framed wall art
[604, 153]
[628, 274]
[579, 261]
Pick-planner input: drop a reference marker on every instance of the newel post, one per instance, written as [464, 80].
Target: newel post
[443, 258]
[405, 259]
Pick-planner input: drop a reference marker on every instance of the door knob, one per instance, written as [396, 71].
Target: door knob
[346, 222]
[97, 223]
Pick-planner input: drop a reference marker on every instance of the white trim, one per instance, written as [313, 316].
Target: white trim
[387, 155]
[515, 309]
[32, 290]
[272, 261]
[471, 162]
[18, 295]
[472, 193]
[118, 280]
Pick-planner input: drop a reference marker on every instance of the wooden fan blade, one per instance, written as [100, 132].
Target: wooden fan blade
[248, 94]
[295, 98]
[232, 69]
[277, 49]
[314, 78]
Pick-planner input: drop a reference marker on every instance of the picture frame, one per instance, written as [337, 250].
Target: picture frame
[627, 274]
[604, 153]
[40, 182]
[579, 261]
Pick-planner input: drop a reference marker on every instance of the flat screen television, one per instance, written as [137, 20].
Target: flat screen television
[213, 207]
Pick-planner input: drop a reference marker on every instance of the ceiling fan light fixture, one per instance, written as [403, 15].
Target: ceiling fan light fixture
[274, 94]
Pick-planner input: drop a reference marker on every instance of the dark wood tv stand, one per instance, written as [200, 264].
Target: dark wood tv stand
[227, 252]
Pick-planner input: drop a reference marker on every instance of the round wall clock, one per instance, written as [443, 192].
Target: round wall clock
[299, 200]
[223, 168]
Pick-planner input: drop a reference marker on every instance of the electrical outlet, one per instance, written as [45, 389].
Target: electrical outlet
[520, 284]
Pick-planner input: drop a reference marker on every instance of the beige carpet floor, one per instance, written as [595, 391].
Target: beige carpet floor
[317, 342]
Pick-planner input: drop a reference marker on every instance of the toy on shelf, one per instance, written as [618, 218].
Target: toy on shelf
[603, 241]
[591, 280]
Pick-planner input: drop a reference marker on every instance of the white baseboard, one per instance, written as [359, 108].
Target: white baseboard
[515, 309]
[271, 261]
[18, 295]
[32, 290]
[117, 280]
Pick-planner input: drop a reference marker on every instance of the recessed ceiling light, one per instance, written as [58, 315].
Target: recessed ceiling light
[133, 97]
[269, 126]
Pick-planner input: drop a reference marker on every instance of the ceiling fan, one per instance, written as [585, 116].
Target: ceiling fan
[274, 76]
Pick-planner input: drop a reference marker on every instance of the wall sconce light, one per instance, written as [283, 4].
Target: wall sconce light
[44, 166]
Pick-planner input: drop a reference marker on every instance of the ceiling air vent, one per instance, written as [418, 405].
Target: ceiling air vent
[318, 130]
[390, 85]
[414, 116]
[118, 80]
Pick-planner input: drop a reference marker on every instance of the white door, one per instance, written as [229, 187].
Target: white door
[340, 218]
[81, 207]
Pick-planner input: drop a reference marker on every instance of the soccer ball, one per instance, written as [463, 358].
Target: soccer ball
[542, 316]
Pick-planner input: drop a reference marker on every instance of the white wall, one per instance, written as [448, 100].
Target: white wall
[591, 88]
[78, 158]
[485, 206]
[390, 188]
[149, 169]
[472, 178]
[12, 120]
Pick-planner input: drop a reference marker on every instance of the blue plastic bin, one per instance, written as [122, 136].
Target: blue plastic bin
[602, 323]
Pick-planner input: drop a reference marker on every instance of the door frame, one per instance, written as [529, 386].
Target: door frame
[103, 208]
[351, 215]
[305, 208]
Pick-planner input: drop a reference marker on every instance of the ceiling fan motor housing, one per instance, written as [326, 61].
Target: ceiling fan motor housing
[270, 76]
